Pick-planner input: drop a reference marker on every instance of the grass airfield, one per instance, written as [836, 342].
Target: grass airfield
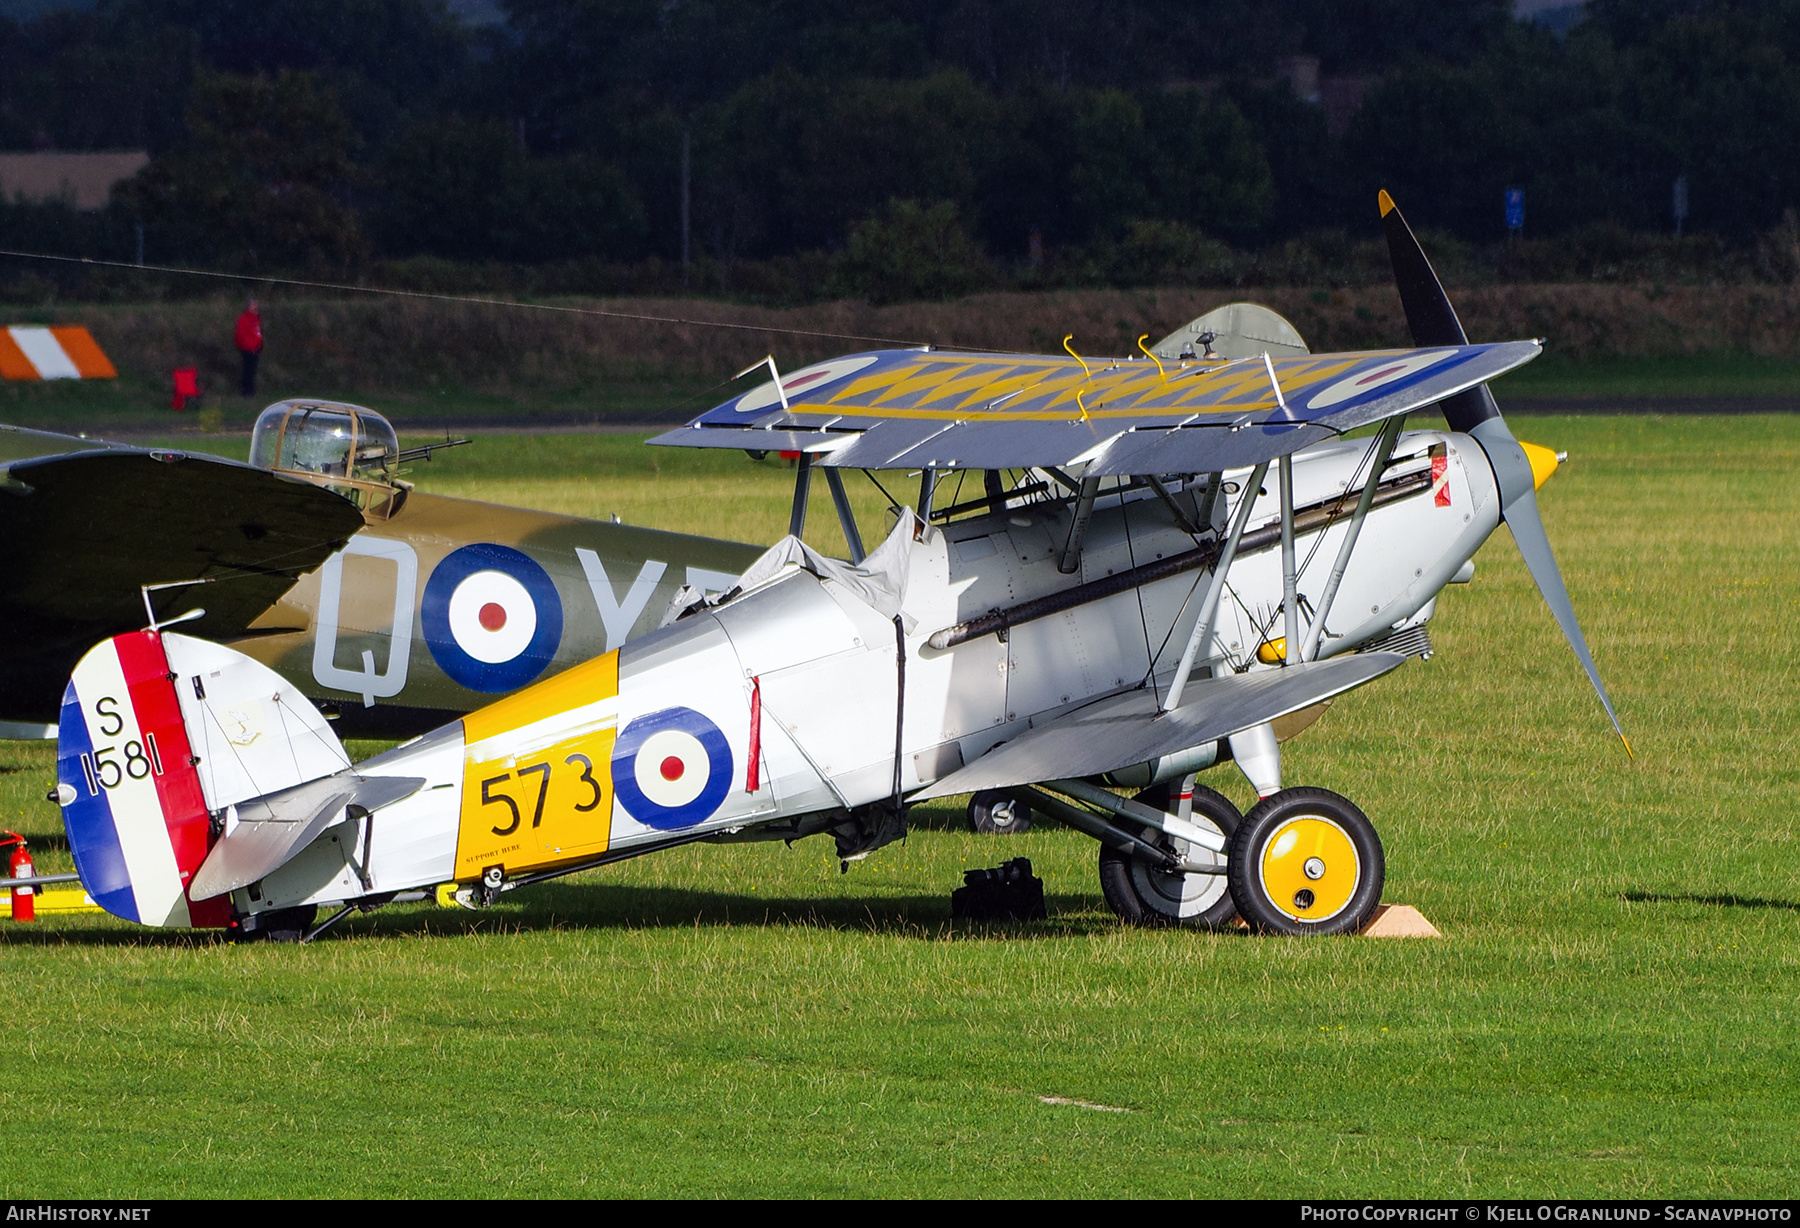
[1614, 1011]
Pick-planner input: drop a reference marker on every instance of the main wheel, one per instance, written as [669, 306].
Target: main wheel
[994, 813]
[1142, 894]
[1306, 861]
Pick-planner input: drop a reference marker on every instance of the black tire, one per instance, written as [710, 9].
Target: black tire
[1327, 880]
[993, 813]
[1139, 894]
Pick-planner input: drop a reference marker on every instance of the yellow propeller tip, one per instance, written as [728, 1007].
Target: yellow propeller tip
[1629, 753]
[1385, 202]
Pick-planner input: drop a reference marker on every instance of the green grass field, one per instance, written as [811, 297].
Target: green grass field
[1707, 375]
[1614, 1011]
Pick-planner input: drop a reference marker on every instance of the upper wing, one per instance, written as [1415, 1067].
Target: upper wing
[1130, 729]
[21, 442]
[911, 409]
[83, 532]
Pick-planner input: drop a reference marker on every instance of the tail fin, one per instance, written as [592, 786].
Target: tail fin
[159, 734]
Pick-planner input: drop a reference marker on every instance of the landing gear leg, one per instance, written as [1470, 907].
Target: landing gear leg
[1143, 894]
[1258, 756]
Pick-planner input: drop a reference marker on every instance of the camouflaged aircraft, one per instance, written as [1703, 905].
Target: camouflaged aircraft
[1165, 565]
[391, 608]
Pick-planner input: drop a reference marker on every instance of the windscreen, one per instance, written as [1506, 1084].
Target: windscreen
[328, 440]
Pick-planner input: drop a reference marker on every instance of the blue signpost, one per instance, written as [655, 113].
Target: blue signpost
[1515, 209]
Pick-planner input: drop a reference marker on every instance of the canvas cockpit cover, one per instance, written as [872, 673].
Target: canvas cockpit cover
[879, 581]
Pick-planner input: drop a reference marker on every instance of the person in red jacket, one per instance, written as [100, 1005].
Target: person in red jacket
[249, 344]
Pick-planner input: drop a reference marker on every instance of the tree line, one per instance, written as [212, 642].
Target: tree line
[876, 136]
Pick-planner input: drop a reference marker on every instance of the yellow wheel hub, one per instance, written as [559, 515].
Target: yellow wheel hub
[1310, 868]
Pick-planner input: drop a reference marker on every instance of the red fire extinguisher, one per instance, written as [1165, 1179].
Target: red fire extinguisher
[24, 902]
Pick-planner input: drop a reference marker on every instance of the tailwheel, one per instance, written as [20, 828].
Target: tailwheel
[992, 812]
[276, 925]
[1143, 894]
[1306, 861]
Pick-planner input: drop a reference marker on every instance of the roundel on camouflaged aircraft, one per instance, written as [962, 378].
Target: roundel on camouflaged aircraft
[671, 769]
[492, 618]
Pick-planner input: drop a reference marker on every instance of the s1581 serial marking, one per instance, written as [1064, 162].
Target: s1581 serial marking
[99, 769]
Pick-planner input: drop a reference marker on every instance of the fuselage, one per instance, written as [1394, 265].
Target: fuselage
[380, 634]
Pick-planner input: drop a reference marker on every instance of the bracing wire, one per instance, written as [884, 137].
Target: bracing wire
[1263, 629]
[892, 502]
[1193, 588]
[456, 298]
[1138, 591]
[956, 495]
[1352, 489]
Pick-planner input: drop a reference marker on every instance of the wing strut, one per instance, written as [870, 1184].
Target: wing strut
[1078, 524]
[1384, 448]
[1182, 520]
[846, 517]
[802, 488]
[1215, 588]
[1290, 595]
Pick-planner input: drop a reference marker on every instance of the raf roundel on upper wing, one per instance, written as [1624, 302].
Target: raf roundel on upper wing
[1383, 376]
[492, 617]
[806, 380]
[671, 769]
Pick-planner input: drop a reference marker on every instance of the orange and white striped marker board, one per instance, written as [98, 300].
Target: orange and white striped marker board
[64, 351]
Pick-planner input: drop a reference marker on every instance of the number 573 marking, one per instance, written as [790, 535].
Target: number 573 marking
[489, 797]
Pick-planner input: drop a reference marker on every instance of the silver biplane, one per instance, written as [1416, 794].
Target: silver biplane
[1168, 564]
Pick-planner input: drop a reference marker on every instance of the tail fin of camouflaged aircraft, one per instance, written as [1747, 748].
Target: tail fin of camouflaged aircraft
[161, 737]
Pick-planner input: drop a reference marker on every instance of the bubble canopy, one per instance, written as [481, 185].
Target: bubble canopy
[325, 439]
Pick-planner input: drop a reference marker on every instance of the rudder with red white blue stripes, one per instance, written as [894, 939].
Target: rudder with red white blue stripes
[132, 801]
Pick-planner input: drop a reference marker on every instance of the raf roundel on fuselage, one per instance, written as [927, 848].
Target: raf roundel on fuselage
[492, 617]
[672, 768]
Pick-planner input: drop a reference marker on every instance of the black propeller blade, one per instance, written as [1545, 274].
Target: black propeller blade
[1433, 322]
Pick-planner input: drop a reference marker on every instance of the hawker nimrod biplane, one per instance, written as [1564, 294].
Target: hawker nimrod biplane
[1162, 564]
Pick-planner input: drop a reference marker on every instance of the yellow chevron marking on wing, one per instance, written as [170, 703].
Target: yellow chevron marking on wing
[983, 386]
[860, 388]
[919, 383]
[951, 387]
[981, 395]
